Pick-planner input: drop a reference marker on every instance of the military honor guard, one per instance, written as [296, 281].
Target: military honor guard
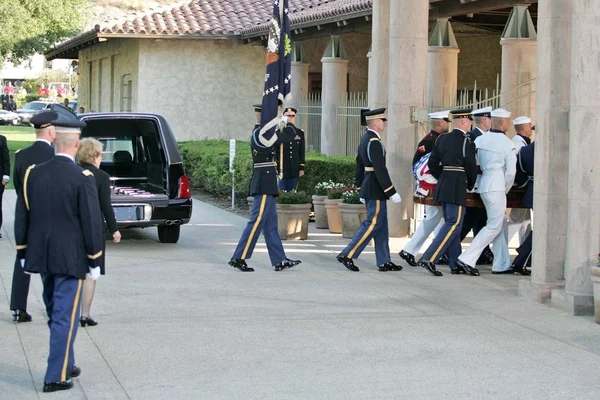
[264, 190]
[4, 172]
[452, 162]
[58, 234]
[291, 153]
[39, 152]
[497, 161]
[376, 188]
[440, 124]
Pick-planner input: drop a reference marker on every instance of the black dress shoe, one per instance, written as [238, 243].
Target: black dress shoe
[21, 316]
[55, 386]
[240, 264]
[285, 264]
[348, 263]
[486, 258]
[87, 321]
[521, 270]
[389, 266]
[457, 270]
[75, 372]
[409, 258]
[467, 268]
[444, 260]
[429, 266]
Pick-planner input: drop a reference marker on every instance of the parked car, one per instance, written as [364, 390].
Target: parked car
[30, 109]
[9, 118]
[149, 185]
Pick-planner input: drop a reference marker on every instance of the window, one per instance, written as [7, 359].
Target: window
[126, 92]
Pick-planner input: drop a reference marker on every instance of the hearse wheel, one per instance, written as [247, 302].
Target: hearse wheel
[168, 233]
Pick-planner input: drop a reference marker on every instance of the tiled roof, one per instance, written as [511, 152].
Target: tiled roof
[225, 17]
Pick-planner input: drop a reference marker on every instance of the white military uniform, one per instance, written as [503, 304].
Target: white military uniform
[498, 163]
[520, 218]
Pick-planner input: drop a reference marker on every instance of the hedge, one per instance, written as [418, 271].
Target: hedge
[207, 165]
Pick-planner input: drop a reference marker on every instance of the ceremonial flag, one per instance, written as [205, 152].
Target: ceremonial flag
[278, 78]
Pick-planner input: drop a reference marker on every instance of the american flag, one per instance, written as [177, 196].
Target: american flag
[278, 78]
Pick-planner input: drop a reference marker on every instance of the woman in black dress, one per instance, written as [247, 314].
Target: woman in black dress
[89, 156]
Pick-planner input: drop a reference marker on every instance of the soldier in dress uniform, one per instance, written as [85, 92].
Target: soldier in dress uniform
[39, 152]
[376, 188]
[290, 154]
[497, 161]
[524, 179]
[452, 162]
[58, 231]
[263, 188]
[440, 124]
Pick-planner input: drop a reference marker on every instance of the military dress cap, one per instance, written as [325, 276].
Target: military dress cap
[378, 113]
[522, 120]
[44, 119]
[500, 113]
[462, 113]
[257, 107]
[290, 110]
[482, 112]
[440, 115]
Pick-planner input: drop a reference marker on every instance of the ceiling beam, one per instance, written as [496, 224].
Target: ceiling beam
[458, 7]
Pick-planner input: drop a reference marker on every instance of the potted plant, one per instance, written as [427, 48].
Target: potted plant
[332, 205]
[596, 282]
[353, 212]
[293, 210]
[319, 203]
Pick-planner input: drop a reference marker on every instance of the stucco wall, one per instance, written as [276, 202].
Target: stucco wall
[110, 61]
[480, 59]
[204, 88]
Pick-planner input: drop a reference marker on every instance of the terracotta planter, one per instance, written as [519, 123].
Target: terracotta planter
[596, 281]
[334, 217]
[320, 211]
[292, 221]
[353, 216]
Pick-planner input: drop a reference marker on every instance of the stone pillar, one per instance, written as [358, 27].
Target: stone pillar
[380, 49]
[334, 91]
[551, 151]
[300, 86]
[442, 65]
[583, 235]
[519, 63]
[406, 90]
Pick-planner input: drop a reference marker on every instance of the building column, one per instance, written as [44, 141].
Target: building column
[334, 91]
[583, 234]
[519, 63]
[551, 151]
[407, 81]
[300, 86]
[442, 65]
[380, 48]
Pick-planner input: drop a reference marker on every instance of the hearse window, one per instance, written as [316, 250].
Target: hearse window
[118, 146]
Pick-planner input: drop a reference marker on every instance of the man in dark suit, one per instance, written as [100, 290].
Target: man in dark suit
[59, 235]
[291, 153]
[376, 188]
[452, 163]
[4, 172]
[39, 152]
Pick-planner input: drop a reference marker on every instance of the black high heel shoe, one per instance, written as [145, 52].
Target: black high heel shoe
[87, 321]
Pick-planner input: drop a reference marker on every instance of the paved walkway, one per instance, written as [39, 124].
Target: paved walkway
[177, 323]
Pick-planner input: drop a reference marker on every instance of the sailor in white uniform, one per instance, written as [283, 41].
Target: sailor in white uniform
[520, 218]
[497, 160]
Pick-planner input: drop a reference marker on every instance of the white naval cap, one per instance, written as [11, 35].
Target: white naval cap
[440, 115]
[482, 112]
[500, 113]
[522, 120]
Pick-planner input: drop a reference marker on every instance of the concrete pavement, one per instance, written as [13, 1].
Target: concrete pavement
[175, 322]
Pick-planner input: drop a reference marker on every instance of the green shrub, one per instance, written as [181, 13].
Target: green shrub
[351, 196]
[293, 198]
[336, 193]
[207, 165]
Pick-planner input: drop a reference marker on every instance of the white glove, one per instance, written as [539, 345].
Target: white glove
[396, 198]
[94, 273]
[363, 200]
[22, 260]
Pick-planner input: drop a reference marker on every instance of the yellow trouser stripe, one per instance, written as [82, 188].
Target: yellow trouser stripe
[255, 227]
[432, 259]
[63, 376]
[25, 186]
[368, 232]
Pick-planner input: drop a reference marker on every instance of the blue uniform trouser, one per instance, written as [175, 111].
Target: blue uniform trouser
[524, 257]
[374, 227]
[262, 219]
[62, 299]
[448, 237]
[288, 184]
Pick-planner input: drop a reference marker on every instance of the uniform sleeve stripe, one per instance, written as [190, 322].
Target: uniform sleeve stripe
[25, 186]
[95, 256]
[21, 247]
[388, 189]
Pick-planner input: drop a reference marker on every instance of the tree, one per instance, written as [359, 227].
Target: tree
[32, 26]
